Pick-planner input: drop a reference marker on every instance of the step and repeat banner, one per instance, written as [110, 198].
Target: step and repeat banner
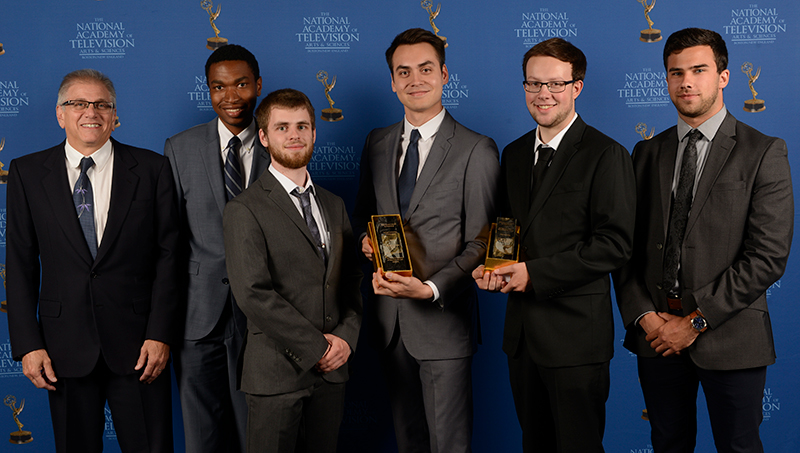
[155, 52]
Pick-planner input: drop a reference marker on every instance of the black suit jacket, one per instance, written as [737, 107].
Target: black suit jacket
[109, 305]
[577, 229]
[736, 244]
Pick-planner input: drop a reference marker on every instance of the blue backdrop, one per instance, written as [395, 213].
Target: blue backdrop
[155, 51]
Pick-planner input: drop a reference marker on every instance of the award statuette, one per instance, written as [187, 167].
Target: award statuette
[503, 247]
[20, 436]
[641, 129]
[2, 51]
[752, 105]
[330, 114]
[389, 249]
[428, 6]
[3, 172]
[216, 42]
[651, 34]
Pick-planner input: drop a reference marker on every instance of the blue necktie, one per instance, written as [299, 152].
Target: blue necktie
[233, 173]
[83, 197]
[408, 175]
[305, 204]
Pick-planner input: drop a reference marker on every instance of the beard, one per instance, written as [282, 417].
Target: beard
[294, 160]
[699, 110]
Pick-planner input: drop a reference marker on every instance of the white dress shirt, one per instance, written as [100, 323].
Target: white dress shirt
[248, 137]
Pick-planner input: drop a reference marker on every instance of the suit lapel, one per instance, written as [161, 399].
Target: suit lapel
[212, 161]
[325, 204]
[566, 149]
[519, 198]
[384, 164]
[59, 194]
[281, 199]
[718, 154]
[261, 161]
[123, 188]
[666, 172]
[438, 153]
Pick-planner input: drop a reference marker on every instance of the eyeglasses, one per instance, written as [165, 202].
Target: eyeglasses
[79, 106]
[553, 87]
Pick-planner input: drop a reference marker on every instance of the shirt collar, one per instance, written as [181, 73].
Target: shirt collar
[427, 130]
[289, 185]
[709, 127]
[100, 157]
[247, 136]
[555, 141]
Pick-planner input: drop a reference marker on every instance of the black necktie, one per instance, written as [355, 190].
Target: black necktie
[545, 153]
[305, 204]
[408, 175]
[681, 205]
[83, 197]
[233, 172]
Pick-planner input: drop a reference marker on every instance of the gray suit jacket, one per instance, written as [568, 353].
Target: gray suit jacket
[737, 241]
[453, 200]
[197, 170]
[283, 286]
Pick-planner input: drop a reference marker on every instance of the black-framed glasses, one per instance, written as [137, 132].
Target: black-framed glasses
[100, 106]
[553, 87]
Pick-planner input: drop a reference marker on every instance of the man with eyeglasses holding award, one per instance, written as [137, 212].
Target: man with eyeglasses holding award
[572, 191]
[100, 271]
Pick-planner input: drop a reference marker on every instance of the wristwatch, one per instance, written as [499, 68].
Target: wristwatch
[698, 321]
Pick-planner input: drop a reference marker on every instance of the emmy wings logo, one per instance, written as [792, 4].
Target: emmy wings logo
[454, 92]
[327, 33]
[334, 162]
[199, 95]
[544, 24]
[9, 368]
[754, 24]
[101, 39]
[12, 99]
[645, 88]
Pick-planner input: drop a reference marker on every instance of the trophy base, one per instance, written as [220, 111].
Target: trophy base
[21, 437]
[332, 115]
[215, 43]
[4, 306]
[650, 35]
[754, 105]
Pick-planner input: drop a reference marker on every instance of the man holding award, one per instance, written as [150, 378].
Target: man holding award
[438, 179]
[572, 190]
[714, 228]
[293, 268]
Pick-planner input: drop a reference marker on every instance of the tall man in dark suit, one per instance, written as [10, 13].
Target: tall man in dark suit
[94, 235]
[713, 230]
[292, 264]
[571, 189]
[441, 178]
[214, 410]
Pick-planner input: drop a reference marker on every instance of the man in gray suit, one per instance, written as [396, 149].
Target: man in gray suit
[713, 231]
[293, 268]
[441, 178]
[211, 163]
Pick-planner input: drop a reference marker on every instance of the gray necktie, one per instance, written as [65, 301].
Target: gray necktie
[83, 197]
[305, 204]
[233, 172]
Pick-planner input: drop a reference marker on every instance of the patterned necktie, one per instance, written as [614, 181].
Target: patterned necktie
[83, 197]
[545, 153]
[233, 173]
[681, 205]
[408, 175]
[305, 204]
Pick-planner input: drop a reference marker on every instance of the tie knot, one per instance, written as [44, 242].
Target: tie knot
[415, 136]
[303, 196]
[694, 135]
[86, 164]
[544, 153]
[233, 144]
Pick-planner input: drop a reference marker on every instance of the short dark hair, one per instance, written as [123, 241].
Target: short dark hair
[233, 52]
[85, 75]
[560, 50]
[285, 98]
[415, 36]
[692, 37]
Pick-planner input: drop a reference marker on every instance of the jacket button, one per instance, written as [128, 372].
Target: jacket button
[298, 359]
[93, 275]
[658, 286]
[659, 246]
[328, 318]
[225, 281]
